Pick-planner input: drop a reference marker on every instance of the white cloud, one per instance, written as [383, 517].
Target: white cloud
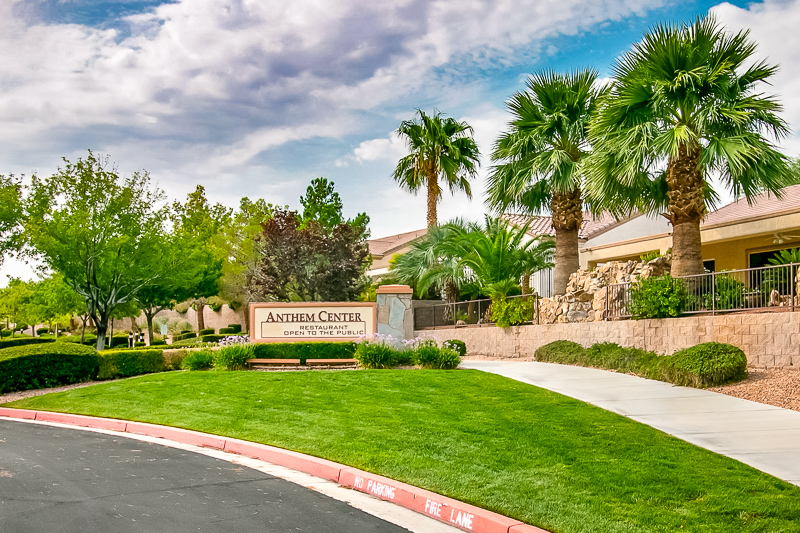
[390, 149]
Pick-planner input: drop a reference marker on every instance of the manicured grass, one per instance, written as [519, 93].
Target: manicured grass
[516, 449]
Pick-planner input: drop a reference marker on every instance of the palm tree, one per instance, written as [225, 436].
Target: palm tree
[682, 104]
[440, 147]
[537, 159]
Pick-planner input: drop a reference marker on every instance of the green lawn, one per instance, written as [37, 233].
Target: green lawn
[516, 449]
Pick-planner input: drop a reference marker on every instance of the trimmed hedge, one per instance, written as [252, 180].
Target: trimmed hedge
[125, 363]
[22, 341]
[304, 350]
[212, 338]
[46, 365]
[704, 365]
[158, 342]
[206, 331]
[42, 331]
[237, 328]
[227, 331]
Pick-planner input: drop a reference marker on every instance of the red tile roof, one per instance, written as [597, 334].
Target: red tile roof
[543, 225]
[764, 205]
[383, 245]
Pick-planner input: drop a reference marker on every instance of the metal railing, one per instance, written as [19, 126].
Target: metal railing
[473, 313]
[764, 288]
[771, 288]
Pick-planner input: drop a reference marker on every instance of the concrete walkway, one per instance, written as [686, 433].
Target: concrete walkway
[759, 435]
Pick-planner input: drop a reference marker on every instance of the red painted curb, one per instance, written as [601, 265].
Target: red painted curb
[297, 461]
[18, 413]
[458, 514]
[177, 434]
[84, 421]
[453, 512]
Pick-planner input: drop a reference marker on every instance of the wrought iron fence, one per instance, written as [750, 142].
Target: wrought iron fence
[769, 288]
[469, 313]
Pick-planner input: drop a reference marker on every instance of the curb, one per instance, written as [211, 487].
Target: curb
[453, 512]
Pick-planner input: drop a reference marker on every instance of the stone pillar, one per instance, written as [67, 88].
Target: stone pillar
[395, 316]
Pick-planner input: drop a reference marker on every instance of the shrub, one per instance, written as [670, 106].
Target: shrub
[158, 342]
[612, 356]
[5, 333]
[564, 352]
[658, 297]
[21, 327]
[46, 365]
[429, 355]
[206, 331]
[227, 331]
[125, 363]
[728, 293]
[234, 357]
[454, 344]
[139, 344]
[174, 358]
[201, 360]
[42, 331]
[22, 341]
[184, 336]
[305, 350]
[513, 312]
[705, 365]
[237, 328]
[376, 355]
[213, 338]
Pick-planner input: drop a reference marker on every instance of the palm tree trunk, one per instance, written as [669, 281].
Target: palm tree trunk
[567, 212]
[687, 208]
[433, 198]
[526, 283]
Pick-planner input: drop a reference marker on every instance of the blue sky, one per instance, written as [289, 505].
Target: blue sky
[257, 97]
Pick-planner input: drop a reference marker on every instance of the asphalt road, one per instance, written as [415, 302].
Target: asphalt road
[65, 480]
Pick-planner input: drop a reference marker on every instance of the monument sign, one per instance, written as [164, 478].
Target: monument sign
[311, 321]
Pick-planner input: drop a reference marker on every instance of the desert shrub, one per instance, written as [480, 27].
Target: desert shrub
[564, 352]
[46, 365]
[429, 355]
[705, 365]
[658, 297]
[125, 363]
[728, 293]
[237, 328]
[174, 358]
[227, 331]
[22, 341]
[457, 345]
[611, 356]
[206, 331]
[303, 350]
[513, 312]
[234, 357]
[200, 360]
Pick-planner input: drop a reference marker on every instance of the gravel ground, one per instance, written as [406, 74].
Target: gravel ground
[777, 386]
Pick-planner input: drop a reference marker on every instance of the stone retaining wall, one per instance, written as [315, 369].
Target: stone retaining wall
[768, 339]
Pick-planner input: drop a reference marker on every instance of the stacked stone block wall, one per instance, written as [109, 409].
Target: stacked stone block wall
[768, 339]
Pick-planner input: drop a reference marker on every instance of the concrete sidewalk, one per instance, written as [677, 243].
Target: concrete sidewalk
[759, 435]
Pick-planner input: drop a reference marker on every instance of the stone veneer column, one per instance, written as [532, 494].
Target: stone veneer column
[395, 316]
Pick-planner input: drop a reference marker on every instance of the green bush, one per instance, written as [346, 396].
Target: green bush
[728, 293]
[21, 327]
[5, 333]
[206, 331]
[22, 341]
[429, 355]
[234, 357]
[459, 346]
[42, 331]
[212, 338]
[705, 365]
[237, 328]
[202, 360]
[376, 355]
[158, 342]
[658, 297]
[125, 363]
[612, 356]
[227, 331]
[46, 365]
[187, 335]
[305, 350]
[564, 352]
[174, 358]
[513, 312]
